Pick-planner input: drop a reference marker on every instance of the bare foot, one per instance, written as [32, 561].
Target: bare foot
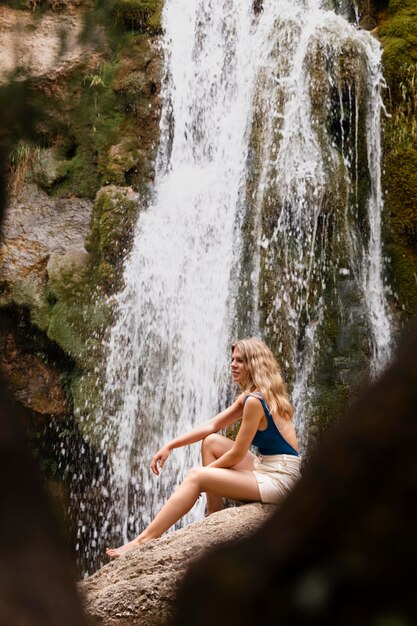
[116, 552]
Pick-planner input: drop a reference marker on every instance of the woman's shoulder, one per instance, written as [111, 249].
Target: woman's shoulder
[252, 400]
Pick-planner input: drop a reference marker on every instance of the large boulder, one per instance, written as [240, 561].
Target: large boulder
[139, 588]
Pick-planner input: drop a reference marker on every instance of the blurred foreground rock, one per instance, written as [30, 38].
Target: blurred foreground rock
[140, 587]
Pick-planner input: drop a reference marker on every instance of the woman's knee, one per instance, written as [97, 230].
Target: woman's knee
[210, 442]
[195, 475]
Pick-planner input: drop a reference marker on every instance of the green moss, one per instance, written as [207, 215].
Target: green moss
[123, 159]
[66, 322]
[92, 126]
[400, 183]
[95, 123]
[26, 293]
[398, 35]
[40, 316]
[86, 389]
[78, 173]
[141, 15]
[403, 271]
[114, 215]
[342, 356]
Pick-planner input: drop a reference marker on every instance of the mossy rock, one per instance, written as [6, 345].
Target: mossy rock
[67, 274]
[342, 358]
[48, 169]
[86, 391]
[141, 15]
[65, 328]
[114, 215]
[400, 226]
[123, 158]
[94, 122]
[29, 294]
[398, 35]
[401, 183]
[403, 276]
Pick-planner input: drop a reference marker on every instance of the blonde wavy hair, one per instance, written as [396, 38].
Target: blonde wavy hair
[264, 374]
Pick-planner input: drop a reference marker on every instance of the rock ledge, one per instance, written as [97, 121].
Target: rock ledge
[139, 588]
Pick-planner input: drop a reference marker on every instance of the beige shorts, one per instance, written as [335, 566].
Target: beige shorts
[276, 475]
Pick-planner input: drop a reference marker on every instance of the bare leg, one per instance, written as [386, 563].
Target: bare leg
[212, 447]
[231, 483]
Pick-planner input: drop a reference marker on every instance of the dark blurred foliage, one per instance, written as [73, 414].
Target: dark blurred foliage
[341, 549]
[37, 586]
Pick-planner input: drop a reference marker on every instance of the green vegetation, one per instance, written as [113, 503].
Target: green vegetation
[398, 35]
[81, 131]
[93, 126]
[400, 181]
[113, 218]
[140, 15]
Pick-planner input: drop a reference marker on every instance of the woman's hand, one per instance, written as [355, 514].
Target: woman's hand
[158, 460]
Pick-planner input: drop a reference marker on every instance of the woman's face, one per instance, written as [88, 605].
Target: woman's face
[238, 367]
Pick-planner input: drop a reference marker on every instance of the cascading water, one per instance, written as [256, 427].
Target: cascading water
[316, 193]
[265, 218]
[168, 351]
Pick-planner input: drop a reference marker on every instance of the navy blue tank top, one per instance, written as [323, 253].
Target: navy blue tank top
[270, 440]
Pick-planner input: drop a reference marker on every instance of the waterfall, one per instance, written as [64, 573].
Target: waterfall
[168, 352]
[314, 201]
[265, 218]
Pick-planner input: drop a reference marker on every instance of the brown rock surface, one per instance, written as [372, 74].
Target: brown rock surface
[36, 226]
[139, 588]
[35, 382]
[40, 45]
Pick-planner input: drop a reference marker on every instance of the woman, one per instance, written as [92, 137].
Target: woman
[230, 469]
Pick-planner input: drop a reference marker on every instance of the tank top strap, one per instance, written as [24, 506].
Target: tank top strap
[259, 396]
[254, 394]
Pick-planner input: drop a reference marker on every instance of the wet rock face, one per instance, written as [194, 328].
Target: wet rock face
[140, 587]
[397, 32]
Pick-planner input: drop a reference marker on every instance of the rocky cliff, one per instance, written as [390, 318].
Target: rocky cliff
[93, 79]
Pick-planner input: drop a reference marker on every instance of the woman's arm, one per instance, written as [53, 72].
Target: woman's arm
[252, 415]
[220, 421]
